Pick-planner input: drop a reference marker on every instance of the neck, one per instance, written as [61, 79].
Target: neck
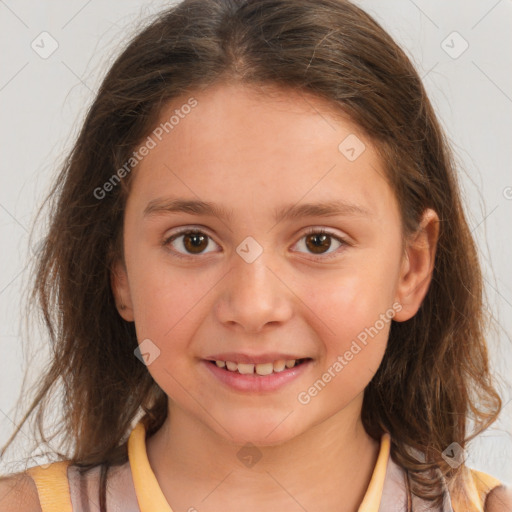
[325, 468]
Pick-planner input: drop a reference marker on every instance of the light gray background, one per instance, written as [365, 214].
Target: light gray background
[43, 102]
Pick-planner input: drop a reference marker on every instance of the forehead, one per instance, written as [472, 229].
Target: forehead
[241, 145]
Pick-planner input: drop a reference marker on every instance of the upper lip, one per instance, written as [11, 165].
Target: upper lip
[238, 357]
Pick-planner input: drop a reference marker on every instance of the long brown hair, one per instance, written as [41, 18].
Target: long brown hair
[434, 376]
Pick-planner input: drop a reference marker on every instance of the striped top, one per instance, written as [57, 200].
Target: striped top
[134, 487]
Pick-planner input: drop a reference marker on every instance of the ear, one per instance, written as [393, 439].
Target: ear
[121, 291]
[417, 266]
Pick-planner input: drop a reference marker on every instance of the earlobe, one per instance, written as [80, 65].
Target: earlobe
[417, 266]
[121, 291]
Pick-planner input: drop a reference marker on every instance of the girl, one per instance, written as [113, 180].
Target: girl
[259, 282]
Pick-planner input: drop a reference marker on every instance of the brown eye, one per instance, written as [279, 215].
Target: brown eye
[191, 242]
[195, 243]
[318, 243]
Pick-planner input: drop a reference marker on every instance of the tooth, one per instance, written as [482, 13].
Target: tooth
[231, 366]
[260, 369]
[246, 368]
[279, 365]
[264, 368]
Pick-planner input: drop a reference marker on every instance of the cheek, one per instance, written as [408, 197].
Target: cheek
[348, 302]
[352, 314]
[168, 309]
[163, 290]
[353, 323]
[166, 302]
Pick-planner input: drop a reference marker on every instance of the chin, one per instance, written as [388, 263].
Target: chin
[272, 430]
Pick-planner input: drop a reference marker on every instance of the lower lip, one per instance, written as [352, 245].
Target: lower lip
[257, 383]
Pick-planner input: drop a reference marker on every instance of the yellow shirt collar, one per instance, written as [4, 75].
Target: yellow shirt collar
[151, 497]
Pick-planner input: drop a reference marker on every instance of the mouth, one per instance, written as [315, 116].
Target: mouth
[257, 378]
[259, 369]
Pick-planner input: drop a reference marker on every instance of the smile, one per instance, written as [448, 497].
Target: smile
[259, 369]
[257, 378]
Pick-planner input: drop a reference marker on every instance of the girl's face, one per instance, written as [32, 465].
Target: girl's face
[253, 285]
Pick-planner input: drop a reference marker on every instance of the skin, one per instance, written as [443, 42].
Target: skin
[252, 154]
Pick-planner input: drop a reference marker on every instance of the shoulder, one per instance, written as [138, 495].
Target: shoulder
[499, 500]
[18, 493]
[498, 497]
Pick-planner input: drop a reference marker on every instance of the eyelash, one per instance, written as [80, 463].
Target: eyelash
[311, 231]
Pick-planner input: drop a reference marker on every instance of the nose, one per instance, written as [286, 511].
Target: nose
[254, 295]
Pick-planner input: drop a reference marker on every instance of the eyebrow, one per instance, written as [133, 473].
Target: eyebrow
[288, 212]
